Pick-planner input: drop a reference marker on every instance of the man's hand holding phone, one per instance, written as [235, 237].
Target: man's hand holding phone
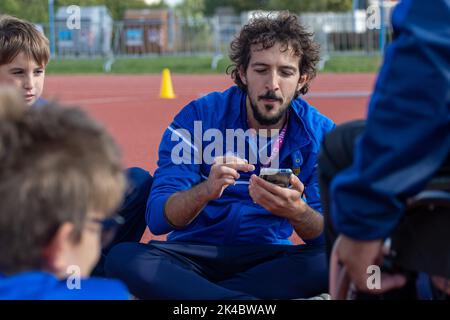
[280, 200]
[224, 172]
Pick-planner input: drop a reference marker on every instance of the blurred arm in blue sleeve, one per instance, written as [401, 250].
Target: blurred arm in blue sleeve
[407, 137]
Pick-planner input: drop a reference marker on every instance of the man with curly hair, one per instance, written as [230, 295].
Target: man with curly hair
[228, 228]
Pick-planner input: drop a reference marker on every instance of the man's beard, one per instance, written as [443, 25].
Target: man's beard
[260, 117]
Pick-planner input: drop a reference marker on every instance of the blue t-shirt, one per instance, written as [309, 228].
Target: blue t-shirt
[39, 103]
[38, 285]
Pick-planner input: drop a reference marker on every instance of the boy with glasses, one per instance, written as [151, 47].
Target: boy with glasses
[61, 178]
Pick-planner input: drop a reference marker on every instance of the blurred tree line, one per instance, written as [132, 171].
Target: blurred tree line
[37, 10]
[296, 6]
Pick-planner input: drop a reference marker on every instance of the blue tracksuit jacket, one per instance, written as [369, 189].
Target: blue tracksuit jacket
[233, 218]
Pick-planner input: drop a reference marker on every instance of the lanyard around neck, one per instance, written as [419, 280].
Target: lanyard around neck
[276, 146]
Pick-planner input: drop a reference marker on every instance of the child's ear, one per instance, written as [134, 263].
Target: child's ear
[57, 254]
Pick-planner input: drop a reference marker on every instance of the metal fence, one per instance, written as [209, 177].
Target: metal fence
[336, 32]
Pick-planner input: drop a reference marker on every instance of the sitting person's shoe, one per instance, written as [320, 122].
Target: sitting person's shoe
[323, 296]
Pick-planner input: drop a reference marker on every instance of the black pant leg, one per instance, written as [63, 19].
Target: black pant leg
[139, 183]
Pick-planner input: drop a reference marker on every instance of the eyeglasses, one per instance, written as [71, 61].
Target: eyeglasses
[109, 227]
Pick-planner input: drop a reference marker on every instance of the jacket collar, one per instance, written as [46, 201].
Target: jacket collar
[298, 136]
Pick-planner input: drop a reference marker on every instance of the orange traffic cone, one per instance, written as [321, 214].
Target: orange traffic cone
[166, 85]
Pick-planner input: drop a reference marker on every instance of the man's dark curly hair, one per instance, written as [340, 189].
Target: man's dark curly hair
[266, 31]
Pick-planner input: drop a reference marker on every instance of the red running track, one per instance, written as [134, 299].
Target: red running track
[130, 107]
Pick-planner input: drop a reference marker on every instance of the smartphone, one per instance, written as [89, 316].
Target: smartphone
[280, 177]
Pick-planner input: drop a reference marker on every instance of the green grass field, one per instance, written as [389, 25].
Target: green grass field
[339, 64]
[191, 65]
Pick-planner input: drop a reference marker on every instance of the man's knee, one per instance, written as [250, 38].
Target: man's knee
[139, 181]
[139, 184]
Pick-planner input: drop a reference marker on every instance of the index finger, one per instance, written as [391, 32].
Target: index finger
[234, 162]
[241, 166]
[229, 159]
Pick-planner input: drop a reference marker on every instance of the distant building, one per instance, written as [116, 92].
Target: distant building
[91, 36]
[148, 31]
